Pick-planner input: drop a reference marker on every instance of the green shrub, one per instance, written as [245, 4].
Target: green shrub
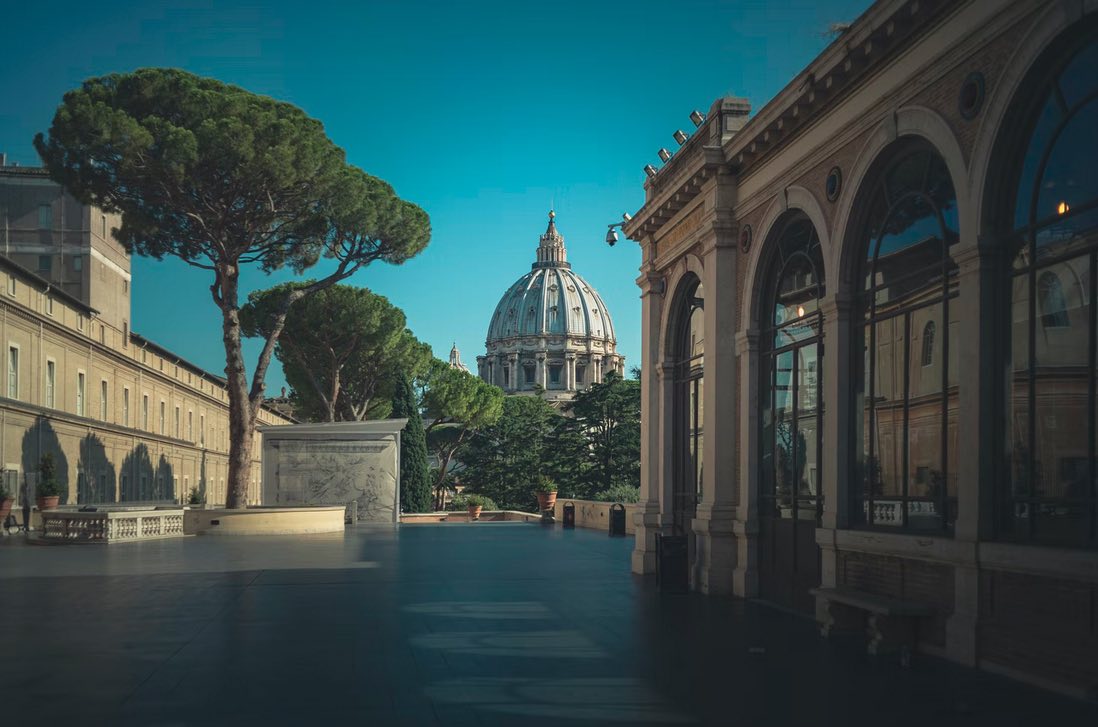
[544, 483]
[194, 497]
[618, 493]
[47, 486]
[465, 501]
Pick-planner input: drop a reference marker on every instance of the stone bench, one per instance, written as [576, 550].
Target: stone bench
[892, 624]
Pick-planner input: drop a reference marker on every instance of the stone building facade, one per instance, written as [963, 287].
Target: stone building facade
[550, 330]
[125, 419]
[870, 311]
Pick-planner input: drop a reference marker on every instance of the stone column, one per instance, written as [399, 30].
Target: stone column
[512, 371]
[541, 375]
[981, 269]
[654, 509]
[596, 365]
[837, 481]
[570, 371]
[745, 578]
[714, 524]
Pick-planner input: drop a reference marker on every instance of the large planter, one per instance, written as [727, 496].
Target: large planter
[546, 500]
[474, 512]
[48, 503]
[5, 508]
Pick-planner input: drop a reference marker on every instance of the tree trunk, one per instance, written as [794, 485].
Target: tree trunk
[241, 411]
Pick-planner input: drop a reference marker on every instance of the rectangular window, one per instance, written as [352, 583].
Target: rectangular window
[77, 263]
[580, 370]
[11, 285]
[45, 262]
[202, 430]
[13, 372]
[145, 412]
[162, 407]
[528, 372]
[49, 305]
[190, 426]
[125, 407]
[125, 286]
[51, 382]
[102, 334]
[103, 400]
[102, 226]
[177, 422]
[80, 394]
[80, 322]
[45, 216]
[125, 334]
[554, 374]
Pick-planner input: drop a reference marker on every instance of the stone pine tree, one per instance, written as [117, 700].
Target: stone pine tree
[222, 178]
[415, 485]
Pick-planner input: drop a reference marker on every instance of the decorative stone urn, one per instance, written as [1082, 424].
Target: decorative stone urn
[49, 502]
[474, 512]
[546, 499]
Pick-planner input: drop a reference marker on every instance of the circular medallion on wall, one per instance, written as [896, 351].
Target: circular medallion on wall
[745, 238]
[834, 184]
[971, 97]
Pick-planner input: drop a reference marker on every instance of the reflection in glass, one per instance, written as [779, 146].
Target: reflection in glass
[1052, 424]
[909, 397]
[689, 406]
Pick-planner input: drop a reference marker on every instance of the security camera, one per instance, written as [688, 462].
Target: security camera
[611, 236]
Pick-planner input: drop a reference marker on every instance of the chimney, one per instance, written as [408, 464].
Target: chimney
[734, 112]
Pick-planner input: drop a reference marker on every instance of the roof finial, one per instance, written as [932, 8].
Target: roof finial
[551, 230]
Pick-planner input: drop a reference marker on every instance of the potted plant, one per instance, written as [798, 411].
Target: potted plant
[475, 503]
[194, 497]
[48, 490]
[546, 491]
[6, 500]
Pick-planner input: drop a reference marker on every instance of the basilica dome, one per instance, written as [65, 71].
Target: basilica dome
[550, 330]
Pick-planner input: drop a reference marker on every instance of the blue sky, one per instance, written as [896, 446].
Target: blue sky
[483, 113]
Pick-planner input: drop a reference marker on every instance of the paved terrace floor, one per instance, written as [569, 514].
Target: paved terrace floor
[501, 624]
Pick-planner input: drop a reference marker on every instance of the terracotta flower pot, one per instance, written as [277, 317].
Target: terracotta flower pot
[48, 503]
[546, 500]
[5, 508]
[474, 512]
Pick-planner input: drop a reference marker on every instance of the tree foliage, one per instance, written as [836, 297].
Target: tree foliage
[458, 405]
[341, 349]
[607, 414]
[221, 178]
[415, 487]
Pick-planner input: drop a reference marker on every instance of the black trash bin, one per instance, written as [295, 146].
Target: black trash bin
[672, 563]
[617, 520]
[569, 515]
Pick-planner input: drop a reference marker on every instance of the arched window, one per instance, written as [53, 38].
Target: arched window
[791, 416]
[1053, 325]
[928, 344]
[688, 403]
[789, 399]
[908, 409]
[1051, 301]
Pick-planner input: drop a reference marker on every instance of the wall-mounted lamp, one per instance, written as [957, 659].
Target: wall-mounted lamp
[680, 136]
[649, 170]
[664, 155]
[697, 117]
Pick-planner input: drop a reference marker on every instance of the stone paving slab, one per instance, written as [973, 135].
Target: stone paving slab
[487, 624]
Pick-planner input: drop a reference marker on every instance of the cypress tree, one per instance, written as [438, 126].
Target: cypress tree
[415, 487]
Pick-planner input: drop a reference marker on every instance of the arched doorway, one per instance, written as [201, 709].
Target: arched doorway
[790, 418]
[689, 448]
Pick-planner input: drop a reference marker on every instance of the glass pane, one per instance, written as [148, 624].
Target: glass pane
[699, 427]
[888, 430]
[798, 290]
[766, 425]
[869, 463]
[788, 453]
[925, 471]
[1069, 181]
[1078, 80]
[807, 422]
[696, 343]
[1038, 141]
[1017, 518]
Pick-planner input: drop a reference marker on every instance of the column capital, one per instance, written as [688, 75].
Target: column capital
[837, 304]
[665, 370]
[746, 341]
[652, 283]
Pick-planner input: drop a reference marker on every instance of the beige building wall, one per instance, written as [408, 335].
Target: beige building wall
[125, 419]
